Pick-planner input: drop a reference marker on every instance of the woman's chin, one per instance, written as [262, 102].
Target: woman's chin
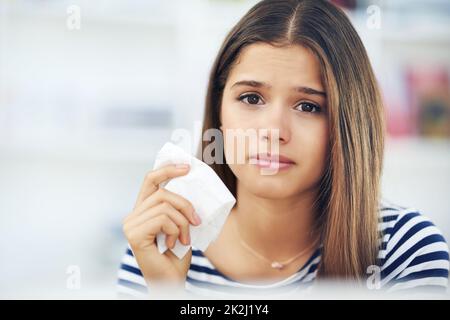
[271, 190]
[274, 195]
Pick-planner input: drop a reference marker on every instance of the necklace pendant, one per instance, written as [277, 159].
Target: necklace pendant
[277, 265]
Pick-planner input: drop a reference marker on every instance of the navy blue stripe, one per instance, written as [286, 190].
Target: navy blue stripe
[403, 220]
[133, 285]
[412, 231]
[427, 273]
[432, 256]
[131, 269]
[384, 245]
[129, 252]
[390, 207]
[387, 231]
[408, 253]
[316, 253]
[197, 253]
[389, 218]
[311, 269]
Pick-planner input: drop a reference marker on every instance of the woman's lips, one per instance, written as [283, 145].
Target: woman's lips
[266, 161]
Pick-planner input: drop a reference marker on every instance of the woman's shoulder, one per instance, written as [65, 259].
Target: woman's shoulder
[413, 252]
[402, 223]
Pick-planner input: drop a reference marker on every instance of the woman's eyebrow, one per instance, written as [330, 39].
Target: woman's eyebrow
[309, 90]
[258, 84]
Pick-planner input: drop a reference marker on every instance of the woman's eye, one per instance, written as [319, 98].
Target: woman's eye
[308, 107]
[251, 99]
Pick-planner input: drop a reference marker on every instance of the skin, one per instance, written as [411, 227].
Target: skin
[159, 210]
[268, 205]
[273, 212]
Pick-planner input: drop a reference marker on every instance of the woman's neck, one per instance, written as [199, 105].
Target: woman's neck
[276, 228]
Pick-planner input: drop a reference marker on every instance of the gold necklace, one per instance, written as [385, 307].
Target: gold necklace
[273, 263]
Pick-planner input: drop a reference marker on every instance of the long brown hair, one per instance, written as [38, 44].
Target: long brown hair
[347, 205]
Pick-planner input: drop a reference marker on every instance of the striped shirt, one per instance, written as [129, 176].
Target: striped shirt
[413, 257]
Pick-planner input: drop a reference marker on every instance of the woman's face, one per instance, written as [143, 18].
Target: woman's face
[272, 90]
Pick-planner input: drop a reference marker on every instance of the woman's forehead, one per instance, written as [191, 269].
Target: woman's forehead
[293, 65]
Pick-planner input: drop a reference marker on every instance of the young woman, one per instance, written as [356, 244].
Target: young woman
[298, 67]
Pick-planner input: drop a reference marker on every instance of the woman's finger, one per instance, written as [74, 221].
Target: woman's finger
[155, 177]
[177, 201]
[150, 228]
[160, 209]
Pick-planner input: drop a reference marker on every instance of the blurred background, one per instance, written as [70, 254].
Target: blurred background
[90, 91]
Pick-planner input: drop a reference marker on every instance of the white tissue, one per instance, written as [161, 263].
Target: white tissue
[210, 197]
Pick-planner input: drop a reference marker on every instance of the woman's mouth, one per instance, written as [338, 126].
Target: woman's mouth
[276, 162]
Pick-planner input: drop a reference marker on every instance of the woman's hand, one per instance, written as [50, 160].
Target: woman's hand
[159, 210]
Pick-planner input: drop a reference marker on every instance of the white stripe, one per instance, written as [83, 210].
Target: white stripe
[391, 242]
[310, 276]
[130, 261]
[398, 212]
[305, 272]
[126, 275]
[414, 239]
[404, 229]
[434, 264]
[438, 281]
[386, 213]
[384, 225]
[383, 252]
[385, 237]
[432, 247]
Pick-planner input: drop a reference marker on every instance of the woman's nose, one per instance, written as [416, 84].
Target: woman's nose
[277, 125]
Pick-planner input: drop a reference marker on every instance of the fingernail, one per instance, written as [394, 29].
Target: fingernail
[182, 166]
[197, 219]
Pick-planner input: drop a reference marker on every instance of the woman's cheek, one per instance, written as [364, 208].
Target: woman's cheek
[238, 126]
[317, 155]
[310, 144]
